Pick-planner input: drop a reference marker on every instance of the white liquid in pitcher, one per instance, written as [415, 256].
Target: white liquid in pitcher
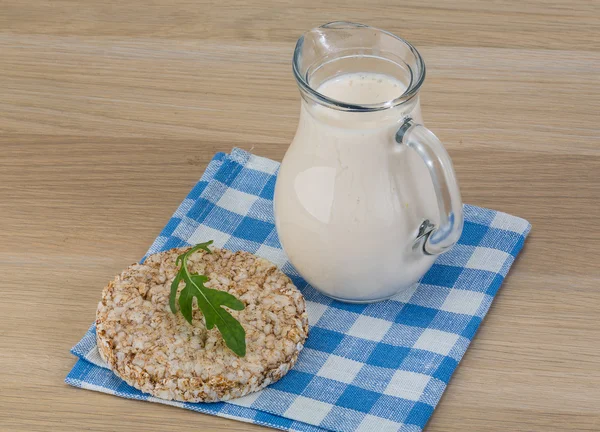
[349, 200]
[362, 88]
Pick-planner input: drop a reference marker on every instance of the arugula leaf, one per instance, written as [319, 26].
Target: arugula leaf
[210, 302]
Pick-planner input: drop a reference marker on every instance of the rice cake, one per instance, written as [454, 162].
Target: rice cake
[160, 353]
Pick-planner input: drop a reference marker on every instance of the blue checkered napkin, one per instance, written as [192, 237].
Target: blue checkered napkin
[376, 367]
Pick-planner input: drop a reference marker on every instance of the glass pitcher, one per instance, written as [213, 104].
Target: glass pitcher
[366, 196]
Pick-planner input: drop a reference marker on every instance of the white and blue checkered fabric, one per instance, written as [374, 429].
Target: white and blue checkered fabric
[373, 367]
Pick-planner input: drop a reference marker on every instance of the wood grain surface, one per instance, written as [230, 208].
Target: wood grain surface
[110, 111]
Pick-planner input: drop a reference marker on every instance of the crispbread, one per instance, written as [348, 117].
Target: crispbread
[160, 353]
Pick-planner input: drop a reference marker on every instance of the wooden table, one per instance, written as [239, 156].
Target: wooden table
[110, 111]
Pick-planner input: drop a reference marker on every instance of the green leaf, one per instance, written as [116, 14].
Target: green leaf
[210, 302]
[173, 296]
[186, 303]
[222, 297]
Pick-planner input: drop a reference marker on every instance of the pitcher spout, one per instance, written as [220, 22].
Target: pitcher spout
[345, 47]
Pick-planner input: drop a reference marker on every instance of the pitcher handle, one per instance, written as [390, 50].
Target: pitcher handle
[436, 158]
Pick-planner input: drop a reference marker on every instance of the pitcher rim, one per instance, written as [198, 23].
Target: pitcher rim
[410, 92]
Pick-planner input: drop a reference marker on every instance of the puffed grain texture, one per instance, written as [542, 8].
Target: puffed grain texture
[160, 353]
